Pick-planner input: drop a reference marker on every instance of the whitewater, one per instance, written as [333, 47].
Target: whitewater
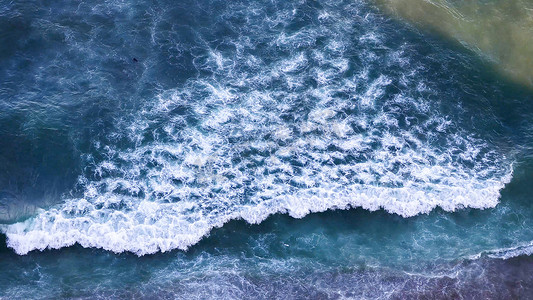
[282, 117]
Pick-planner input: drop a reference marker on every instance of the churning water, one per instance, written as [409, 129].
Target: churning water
[225, 148]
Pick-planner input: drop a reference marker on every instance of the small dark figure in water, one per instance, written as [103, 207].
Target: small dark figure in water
[135, 60]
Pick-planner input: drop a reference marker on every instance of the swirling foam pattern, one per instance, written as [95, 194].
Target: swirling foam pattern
[283, 116]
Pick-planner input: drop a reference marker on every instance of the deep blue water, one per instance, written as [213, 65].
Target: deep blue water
[256, 149]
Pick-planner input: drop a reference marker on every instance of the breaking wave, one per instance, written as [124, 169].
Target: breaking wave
[281, 118]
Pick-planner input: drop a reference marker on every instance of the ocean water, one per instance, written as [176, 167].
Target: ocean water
[256, 149]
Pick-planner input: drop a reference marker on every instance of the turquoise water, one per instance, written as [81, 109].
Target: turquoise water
[255, 149]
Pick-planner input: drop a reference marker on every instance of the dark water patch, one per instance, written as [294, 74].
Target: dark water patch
[38, 165]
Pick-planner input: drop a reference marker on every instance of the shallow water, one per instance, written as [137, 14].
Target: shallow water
[500, 31]
[223, 149]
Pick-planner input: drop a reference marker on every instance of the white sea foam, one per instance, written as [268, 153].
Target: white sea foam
[510, 252]
[296, 135]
